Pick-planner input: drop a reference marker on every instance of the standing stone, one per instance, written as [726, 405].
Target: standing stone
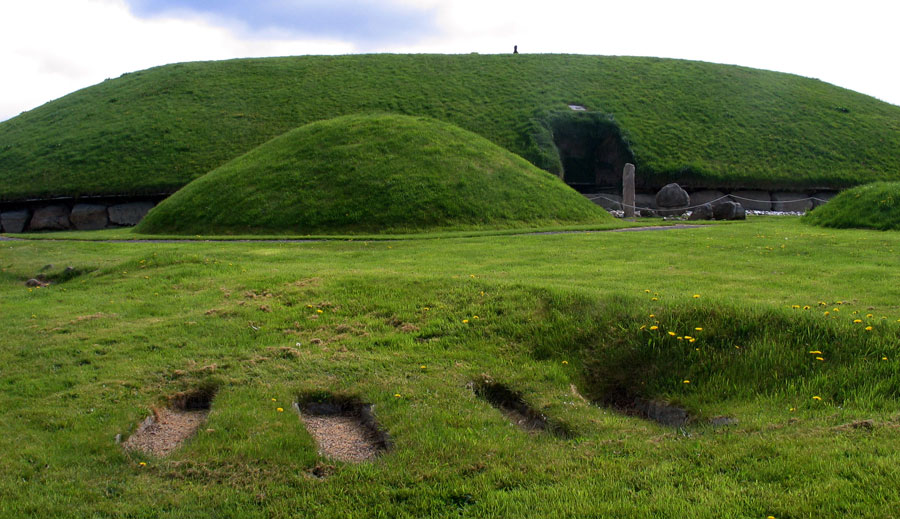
[50, 218]
[729, 211]
[89, 217]
[628, 190]
[672, 200]
[14, 221]
[753, 200]
[793, 202]
[129, 214]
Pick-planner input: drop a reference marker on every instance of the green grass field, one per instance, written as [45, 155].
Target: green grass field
[870, 206]
[393, 322]
[372, 174]
[699, 124]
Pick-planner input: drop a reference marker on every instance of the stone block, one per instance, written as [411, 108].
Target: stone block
[89, 217]
[14, 221]
[50, 218]
[129, 214]
[753, 200]
[793, 202]
[707, 196]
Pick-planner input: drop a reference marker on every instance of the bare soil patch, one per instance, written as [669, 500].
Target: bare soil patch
[344, 428]
[168, 427]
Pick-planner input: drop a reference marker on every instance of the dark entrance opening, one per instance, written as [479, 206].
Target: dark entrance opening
[591, 149]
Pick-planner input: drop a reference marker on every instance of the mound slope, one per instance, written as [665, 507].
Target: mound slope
[699, 124]
[371, 174]
[872, 206]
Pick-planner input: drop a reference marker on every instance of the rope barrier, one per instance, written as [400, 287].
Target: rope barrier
[637, 208]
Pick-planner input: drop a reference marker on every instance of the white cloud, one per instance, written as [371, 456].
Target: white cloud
[52, 47]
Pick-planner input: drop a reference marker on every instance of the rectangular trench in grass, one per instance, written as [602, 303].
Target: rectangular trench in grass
[345, 428]
[168, 427]
[513, 406]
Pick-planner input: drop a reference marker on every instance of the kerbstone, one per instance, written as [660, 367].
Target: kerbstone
[753, 200]
[130, 213]
[793, 202]
[14, 221]
[89, 217]
[50, 218]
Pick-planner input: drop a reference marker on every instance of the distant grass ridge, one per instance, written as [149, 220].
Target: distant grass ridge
[377, 173]
[872, 206]
[696, 123]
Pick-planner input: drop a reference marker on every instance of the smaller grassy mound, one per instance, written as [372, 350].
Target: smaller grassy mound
[872, 206]
[374, 173]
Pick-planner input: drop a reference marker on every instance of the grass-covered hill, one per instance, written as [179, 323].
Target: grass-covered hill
[698, 123]
[368, 174]
[871, 206]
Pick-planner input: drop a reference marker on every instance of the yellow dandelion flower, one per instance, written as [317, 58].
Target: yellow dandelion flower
[806, 307]
[827, 313]
[857, 321]
[280, 409]
[143, 463]
[654, 299]
[795, 306]
[793, 409]
[396, 395]
[318, 310]
[643, 326]
[474, 317]
[817, 398]
[274, 400]
[465, 321]
[835, 309]
[815, 352]
[565, 362]
[423, 366]
[647, 291]
[654, 327]
[680, 338]
[884, 358]
[688, 337]
[820, 358]
[869, 316]
[686, 381]
[698, 329]
[672, 334]
[693, 340]
[696, 296]
[652, 316]
[868, 328]
[308, 306]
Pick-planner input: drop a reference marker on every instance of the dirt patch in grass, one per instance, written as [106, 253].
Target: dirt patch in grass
[167, 427]
[659, 411]
[514, 407]
[344, 428]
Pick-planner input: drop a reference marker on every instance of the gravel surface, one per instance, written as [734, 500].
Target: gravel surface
[342, 437]
[163, 432]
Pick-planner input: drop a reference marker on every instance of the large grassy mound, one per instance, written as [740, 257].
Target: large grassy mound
[370, 174]
[872, 206]
[700, 124]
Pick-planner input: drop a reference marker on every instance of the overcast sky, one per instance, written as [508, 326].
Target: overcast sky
[49, 48]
